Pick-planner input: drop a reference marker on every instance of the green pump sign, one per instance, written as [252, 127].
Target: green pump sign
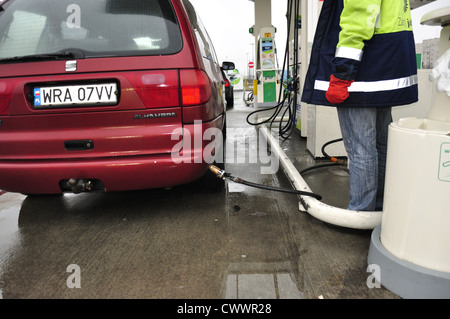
[237, 78]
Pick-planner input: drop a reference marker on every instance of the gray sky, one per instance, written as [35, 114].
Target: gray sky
[228, 22]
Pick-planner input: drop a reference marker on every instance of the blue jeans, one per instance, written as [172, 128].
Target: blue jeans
[365, 132]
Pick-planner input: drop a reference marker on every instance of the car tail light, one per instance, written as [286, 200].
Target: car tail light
[227, 83]
[5, 97]
[195, 87]
[157, 88]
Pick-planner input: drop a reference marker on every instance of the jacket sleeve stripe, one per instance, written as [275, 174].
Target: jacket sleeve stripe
[349, 53]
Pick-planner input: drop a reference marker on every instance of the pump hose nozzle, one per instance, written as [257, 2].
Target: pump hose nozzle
[220, 173]
[217, 171]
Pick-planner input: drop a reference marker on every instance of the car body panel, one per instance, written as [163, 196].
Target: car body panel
[120, 173]
[133, 144]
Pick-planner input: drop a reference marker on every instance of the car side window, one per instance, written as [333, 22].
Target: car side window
[203, 39]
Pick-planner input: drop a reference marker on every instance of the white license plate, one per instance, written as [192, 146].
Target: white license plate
[75, 95]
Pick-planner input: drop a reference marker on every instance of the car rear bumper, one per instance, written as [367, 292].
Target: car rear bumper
[118, 174]
[113, 173]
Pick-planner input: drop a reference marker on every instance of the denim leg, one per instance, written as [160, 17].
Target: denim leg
[364, 132]
[384, 118]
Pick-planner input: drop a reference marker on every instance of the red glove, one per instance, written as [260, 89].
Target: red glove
[338, 90]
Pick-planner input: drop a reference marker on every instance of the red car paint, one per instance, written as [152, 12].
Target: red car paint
[123, 146]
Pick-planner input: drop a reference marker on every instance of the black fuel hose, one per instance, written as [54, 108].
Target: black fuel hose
[222, 174]
[340, 161]
[272, 188]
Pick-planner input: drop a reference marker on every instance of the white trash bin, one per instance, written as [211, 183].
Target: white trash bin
[416, 212]
[411, 247]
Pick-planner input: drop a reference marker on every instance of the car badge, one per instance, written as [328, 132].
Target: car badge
[71, 66]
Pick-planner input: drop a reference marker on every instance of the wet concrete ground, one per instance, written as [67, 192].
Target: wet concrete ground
[190, 242]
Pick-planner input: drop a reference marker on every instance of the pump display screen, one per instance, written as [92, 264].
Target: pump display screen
[267, 54]
[267, 46]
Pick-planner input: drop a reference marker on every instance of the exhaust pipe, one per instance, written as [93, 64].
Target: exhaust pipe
[79, 185]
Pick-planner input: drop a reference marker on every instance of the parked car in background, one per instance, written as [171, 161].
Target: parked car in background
[229, 89]
[92, 92]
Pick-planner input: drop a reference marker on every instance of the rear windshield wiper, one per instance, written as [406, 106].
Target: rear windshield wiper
[61, 55]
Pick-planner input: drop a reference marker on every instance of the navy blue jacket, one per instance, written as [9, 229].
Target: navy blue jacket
[385, 76]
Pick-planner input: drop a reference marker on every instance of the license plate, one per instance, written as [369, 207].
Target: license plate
[93, 94]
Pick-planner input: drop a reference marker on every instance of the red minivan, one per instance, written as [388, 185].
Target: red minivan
[103, 95]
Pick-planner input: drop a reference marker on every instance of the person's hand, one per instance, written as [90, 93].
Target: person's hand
[441, 71]
[338, 90]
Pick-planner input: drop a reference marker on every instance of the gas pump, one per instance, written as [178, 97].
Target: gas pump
[266, 68]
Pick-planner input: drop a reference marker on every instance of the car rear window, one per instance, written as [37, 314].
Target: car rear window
[98, 28]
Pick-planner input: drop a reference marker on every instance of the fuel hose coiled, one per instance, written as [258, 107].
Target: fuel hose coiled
[219, 173]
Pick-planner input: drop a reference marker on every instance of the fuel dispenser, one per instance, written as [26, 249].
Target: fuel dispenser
[266, 68]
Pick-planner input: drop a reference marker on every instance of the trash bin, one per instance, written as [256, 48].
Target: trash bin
[416, 210]
[411, 247]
